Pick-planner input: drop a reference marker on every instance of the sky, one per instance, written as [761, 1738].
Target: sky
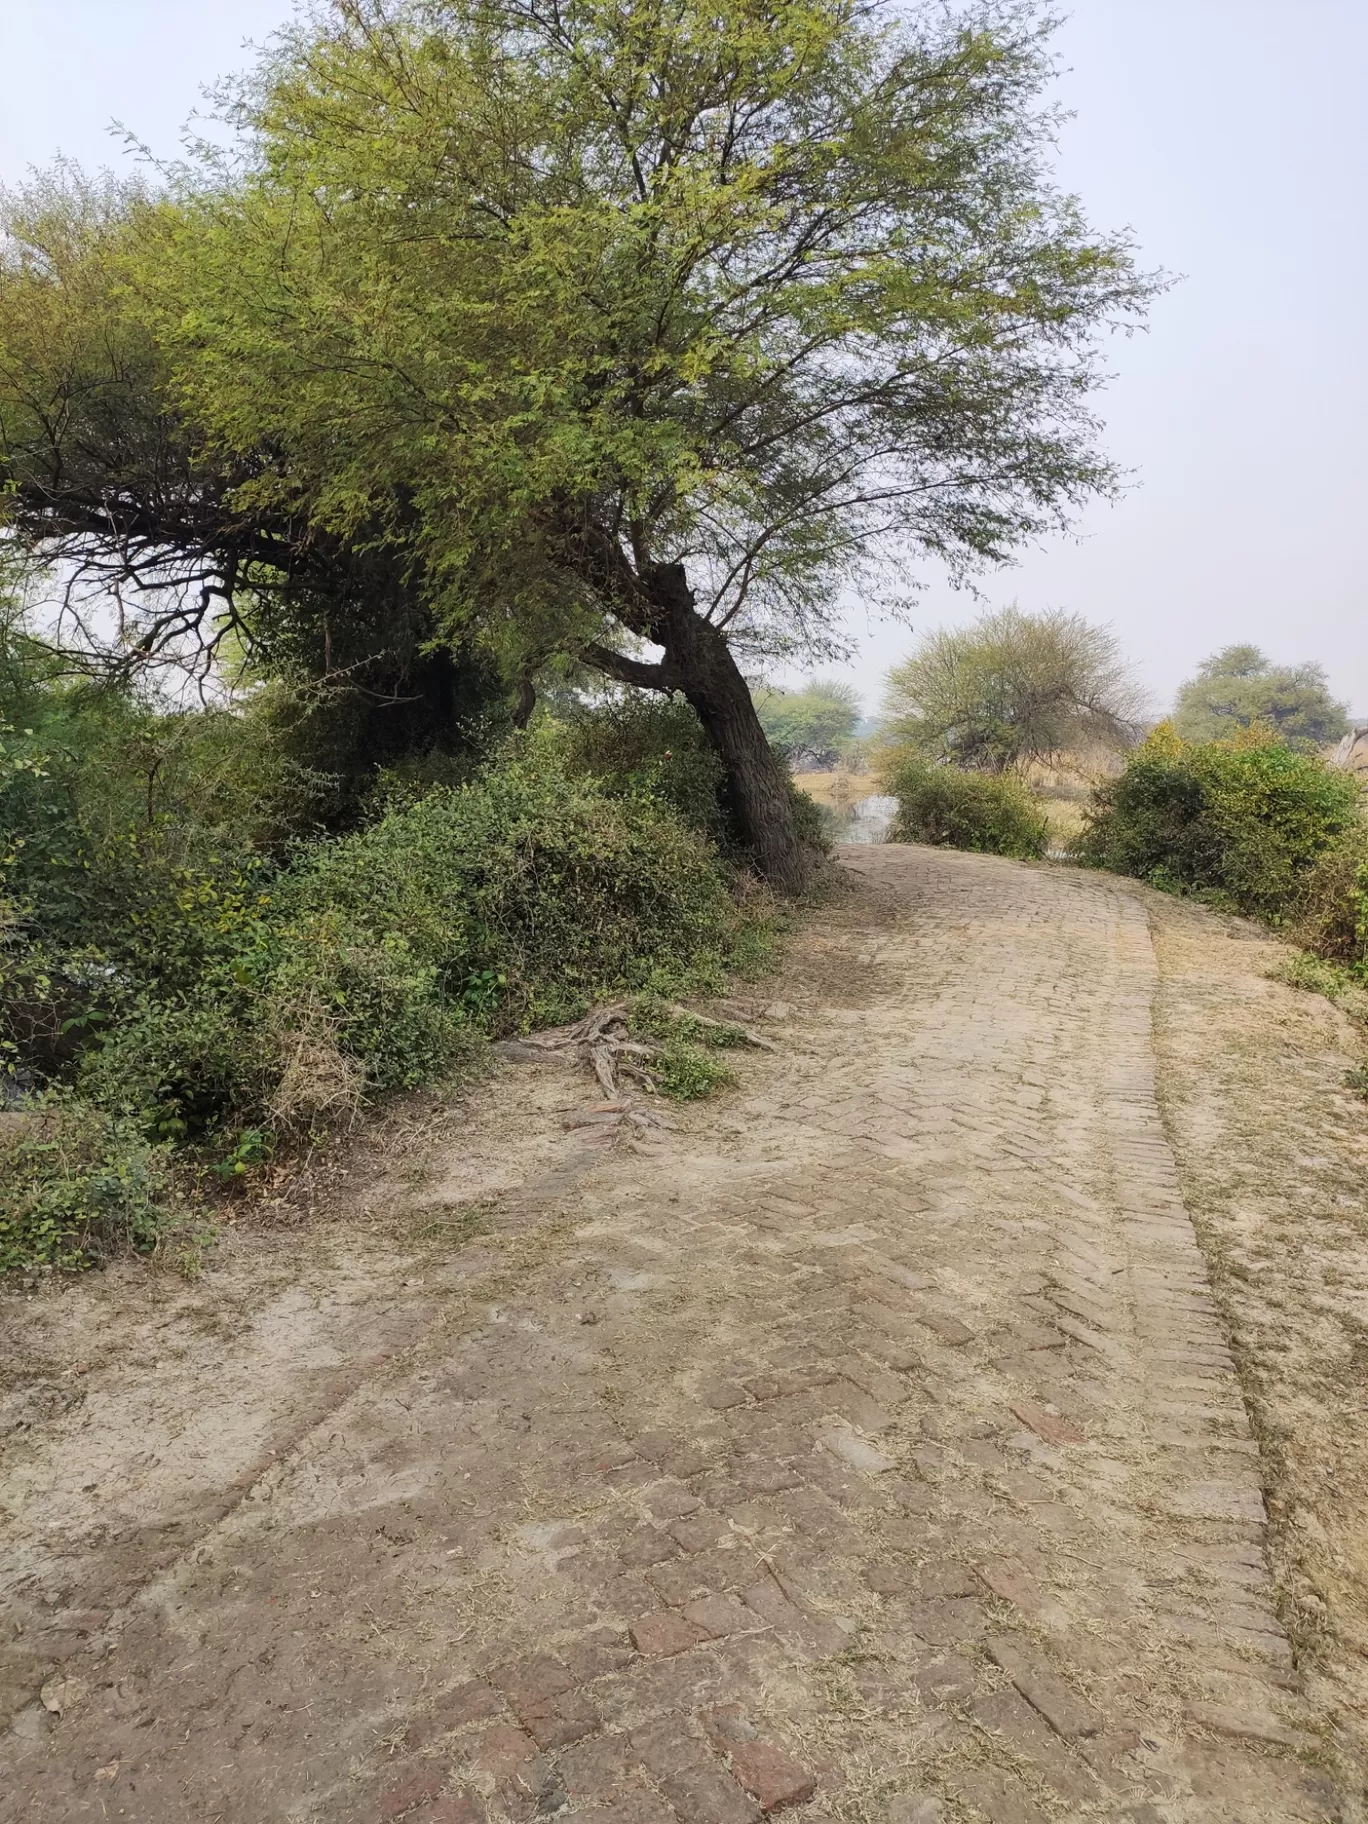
[1229, 136]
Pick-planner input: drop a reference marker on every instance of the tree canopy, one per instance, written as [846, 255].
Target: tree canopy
[635, 331]
[815, 722]
[1238, 688]
[1013, 687]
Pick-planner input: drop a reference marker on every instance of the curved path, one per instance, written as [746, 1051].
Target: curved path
[869, 1449]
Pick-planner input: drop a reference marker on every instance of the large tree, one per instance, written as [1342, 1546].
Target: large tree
[1013, 687]
[1239, 687]
[636, 329]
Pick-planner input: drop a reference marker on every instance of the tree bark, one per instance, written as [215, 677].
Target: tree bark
[698, 663]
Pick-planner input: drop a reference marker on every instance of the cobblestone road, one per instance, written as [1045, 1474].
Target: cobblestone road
[868, 1450]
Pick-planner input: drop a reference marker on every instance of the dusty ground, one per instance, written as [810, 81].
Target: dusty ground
[868, 1449]
[1273, 1156]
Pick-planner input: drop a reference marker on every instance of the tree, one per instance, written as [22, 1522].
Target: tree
[169, 550]
[1238, 687]
[634, 330]
[816, 722]
[1013, 687]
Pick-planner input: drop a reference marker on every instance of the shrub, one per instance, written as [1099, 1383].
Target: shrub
[1330, 915]
[639, 745]
[525, 874]
[994, 814]
[76, 1183]
[1240, 821]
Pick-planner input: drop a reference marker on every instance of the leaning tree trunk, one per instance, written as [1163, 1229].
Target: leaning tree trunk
[699, 662]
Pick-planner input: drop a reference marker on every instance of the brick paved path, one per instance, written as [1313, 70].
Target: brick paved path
[869, 1450]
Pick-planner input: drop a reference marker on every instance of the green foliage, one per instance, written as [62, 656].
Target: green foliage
[1238, 821]
[1013, 687]
[994, 814]
[637, 744]
[687, 1073]
[509, 331]
[1330, 913]
[1238, 688]
[76, 1184]
[815, 723]
[528, 872]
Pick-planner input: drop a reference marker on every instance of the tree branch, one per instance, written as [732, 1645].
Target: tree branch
[626, 671]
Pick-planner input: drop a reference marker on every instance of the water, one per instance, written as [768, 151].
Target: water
[869, 820]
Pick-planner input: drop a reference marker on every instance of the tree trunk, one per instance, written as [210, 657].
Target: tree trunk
[699, 662]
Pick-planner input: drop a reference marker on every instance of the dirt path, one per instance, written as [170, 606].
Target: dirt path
[870, 1447]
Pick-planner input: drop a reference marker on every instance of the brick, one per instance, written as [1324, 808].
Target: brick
[895, 1354]
[887, 1579]
[1037, 1336]
[408, 1794]
[646, 1546]
[1047, 1425]
[473, 1702]
[774, 1778]
[693, 1782]
[856, 1452]
[854, 1404]
[509, 1757]
[1022, 1486]
[947, 1330]
[594, 1767]
[1015, 1584]
[462, 1807]
[1007, 1714]
[725, 1725]
[944, 1578]
[528, 1683]
[722, 1395]
[671, 1502]
[771, 1604]
[945, 1624]
[1001, 1797]
[717, 1616]
[663, 1634]
[1066, 1714]
[1247, 1725]
[875, 1380]
[946, 1678]
[699, 1531]
[759, 1477]
[601, 1651]
[916, 1808]
[558, 1724]
[634, 1805]
[688, 1578]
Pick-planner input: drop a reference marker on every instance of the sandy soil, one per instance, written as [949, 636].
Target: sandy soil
[869, 1449]
[1273, 1153]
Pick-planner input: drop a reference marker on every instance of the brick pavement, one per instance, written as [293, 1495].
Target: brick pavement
[868, 1450]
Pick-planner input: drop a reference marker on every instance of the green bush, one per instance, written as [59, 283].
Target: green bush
[179, 971]
[647, 746]
[377, 960]
[992, 813]
[1330, 913]
[1242, 822]
[650, 746]
[77, 1183]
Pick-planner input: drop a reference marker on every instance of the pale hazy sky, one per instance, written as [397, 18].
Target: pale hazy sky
[1230, 135]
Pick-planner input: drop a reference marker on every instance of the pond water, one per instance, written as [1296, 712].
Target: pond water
[868, 820]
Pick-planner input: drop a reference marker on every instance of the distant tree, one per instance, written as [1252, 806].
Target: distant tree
[1013, 687]
[815, 723]
[1238, 687]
